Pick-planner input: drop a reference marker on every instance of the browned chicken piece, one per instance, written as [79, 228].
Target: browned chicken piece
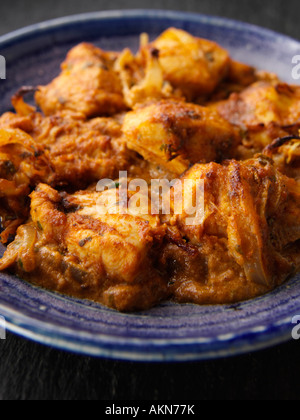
[70, 247]
[239, 77]
[195, 66]
[264, 112]
[285, 153]
[241, 74]
[248, 241]
[157, 70]
[23, 164]
[62, 150]
[87, 85]
[176, 135]
[263, 103]
[142, 77]
[80, 151]
[10, 120]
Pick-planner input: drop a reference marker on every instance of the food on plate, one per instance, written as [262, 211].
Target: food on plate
[87, 84]
[264, 111]
[169, 173]
[248, 241]
[69, 247]
[23, 164]
[178, 134]
[206, 64]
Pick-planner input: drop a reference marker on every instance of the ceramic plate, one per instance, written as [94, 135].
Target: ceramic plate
[169, 332]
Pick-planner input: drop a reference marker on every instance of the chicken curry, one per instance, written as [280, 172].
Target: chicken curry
[179, 110]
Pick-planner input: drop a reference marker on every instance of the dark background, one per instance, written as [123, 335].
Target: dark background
[32, 371]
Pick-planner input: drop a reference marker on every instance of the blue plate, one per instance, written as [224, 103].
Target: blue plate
[169, 332]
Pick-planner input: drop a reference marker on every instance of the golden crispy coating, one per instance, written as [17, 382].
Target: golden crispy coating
[87, 84]
[69, 247]
[205, 63]
[247, 243]
[176, 135]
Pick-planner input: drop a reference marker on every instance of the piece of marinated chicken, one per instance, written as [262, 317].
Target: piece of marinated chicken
[193, 65]
[142, 77]
[175, 65]
[239, 77]
[80, 151]
[63, 150]
[70, 245]
[23, 164]
[285, 153]
[87, 84]
[264, 111]
[175, 134]
[248, 240]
